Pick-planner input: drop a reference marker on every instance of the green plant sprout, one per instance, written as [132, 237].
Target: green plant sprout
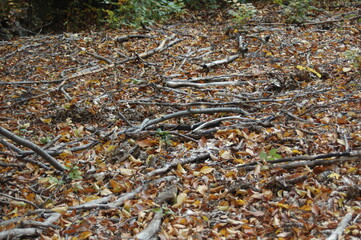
[272, 155]
[74, 173]
[164, 135]
[241, 12]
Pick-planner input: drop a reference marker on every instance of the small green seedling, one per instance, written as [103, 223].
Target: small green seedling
[164, 136]
[272, 155]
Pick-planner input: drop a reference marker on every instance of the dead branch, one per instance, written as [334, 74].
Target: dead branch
[212, 122]
[162, 46]
[19, 199]
[312, 162]
[292, 115]
[147, 122]
[226, 60]
[341, 227]
[111, 64]
[22, 48]
[104, 202]
[33, 147]
[314, 157]
[216, 78]
[152, 228]
[202, 85]
[126, 38]
[30, 232]
[107, 60]
[52, 152]
[174, 163]
[24, 232]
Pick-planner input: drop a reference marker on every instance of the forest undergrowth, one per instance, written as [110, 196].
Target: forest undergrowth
[199, 128]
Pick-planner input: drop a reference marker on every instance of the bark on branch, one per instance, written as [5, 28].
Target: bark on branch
[33, 147]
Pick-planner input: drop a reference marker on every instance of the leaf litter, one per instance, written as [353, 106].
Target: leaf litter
[178, 135]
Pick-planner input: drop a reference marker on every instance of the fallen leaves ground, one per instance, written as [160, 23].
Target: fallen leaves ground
[295, 94]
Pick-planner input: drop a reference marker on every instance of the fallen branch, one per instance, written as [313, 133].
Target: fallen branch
[104, 202]
[212, 122]
[216, 78]
[300, 158]
[147, 122]
[312, 162]
[126, 38]
[341, 227]
[29, 232]
[174, 163]
[152, 228]
[19, 200]
[20, 154]
[202, 85]
[162, 46]
[226, 60]
[33, 147]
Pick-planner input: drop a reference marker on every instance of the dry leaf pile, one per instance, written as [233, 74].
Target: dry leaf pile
[191, 130]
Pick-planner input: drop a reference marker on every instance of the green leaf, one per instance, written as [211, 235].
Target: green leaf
[263, 156]
[272, 152]
[158, 210]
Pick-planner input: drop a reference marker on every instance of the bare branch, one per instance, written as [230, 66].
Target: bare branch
[33, 147]
[341, 227]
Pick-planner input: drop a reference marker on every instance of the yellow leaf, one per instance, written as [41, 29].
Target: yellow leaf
[222, 208]
[206, 169]
[180, 199]
[46, 120]
[60, 209]
[341, 141]
[239, 160]
[305, 208]
[240, 202]
[196, 173]
[299, 67]
[110, 148]
[286, 206]
[65, 154]
[295, 151]
[202, 189]
[91, 198]
[300, 133]
[226, 155]
[13, 213]
[314, 71]
[135, 160]
[352, 169]
[85, 235]
[334, 175]
[126, 172]
[180, 169]
[18, 203]
[105, 192]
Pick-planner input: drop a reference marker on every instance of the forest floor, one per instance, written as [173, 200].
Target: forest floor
[160, 138]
